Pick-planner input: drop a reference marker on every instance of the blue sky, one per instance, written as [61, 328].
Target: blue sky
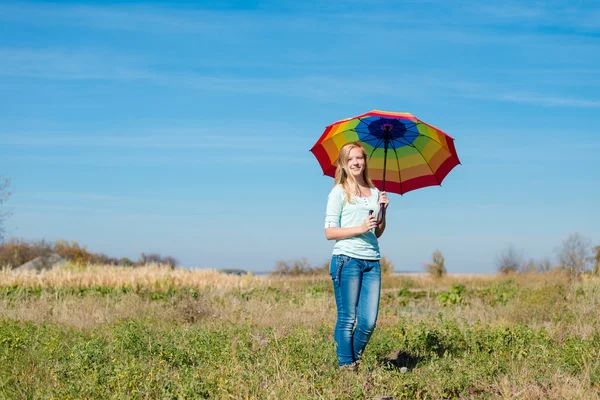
[184, 128]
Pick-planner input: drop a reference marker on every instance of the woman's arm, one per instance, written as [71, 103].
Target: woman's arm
[380, 228]
[345, 233]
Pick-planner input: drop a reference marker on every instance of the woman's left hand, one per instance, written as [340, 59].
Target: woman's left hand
[383, 199]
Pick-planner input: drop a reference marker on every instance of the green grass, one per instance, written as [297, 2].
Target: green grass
[500, 338]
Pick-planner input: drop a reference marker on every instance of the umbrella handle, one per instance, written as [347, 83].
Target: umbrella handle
[381, 214]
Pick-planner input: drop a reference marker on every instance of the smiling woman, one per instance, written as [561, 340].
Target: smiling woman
[354, 267]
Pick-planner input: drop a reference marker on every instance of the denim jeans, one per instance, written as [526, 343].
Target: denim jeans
[357, 285]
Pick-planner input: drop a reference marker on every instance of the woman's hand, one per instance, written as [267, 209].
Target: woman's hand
[370, 223]
[383, 199]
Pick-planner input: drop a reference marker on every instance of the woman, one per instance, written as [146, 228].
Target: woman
[354, 266]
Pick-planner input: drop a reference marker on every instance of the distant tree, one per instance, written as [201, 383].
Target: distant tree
[16, 252]
[103, 259]
[544, 265]
[386, 265]
[510, 260]
[170, 261]
[125, 262]
[529, 266]
[233, 271]
[73, 252]
[597, 261]
[299, 267]
[437, 268]
[155, 258]
[151, 258]
[573, 255]
[4, 195]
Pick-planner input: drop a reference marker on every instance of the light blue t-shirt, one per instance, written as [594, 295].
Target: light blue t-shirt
[341, 214]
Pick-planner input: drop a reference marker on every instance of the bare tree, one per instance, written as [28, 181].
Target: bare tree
[386, 265]
[510, 260]
[529, 266]
[545, 265]
[597, 261]
[574, 254]
[437, 268]
[4, 195]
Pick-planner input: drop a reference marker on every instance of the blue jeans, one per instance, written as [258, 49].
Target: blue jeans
[357, 285]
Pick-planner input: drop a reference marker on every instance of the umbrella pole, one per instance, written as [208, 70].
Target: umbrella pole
[385, 149]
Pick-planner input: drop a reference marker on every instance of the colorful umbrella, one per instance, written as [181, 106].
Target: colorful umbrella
[404, 153]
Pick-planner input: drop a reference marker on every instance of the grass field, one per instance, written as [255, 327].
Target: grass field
[154, 333]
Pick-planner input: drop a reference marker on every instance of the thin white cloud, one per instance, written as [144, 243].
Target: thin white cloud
[485, 91]
[70, 65]
[67, 195]
[538, 99]
[163, 142]
[274, 158]
[124, 17]
[579, 17]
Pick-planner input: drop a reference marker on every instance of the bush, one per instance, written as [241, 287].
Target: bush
[453, 296]
[17, 252]
[125, 262]
[155, 258]
[596, 259]
[437, 268]
[299, 267]
[387, 266]
[73, 252]
[510, 260]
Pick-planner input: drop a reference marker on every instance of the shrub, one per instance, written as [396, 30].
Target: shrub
[299, 267]
[596, 259]
[73, 252]
[451, 297]
[125, 262]
[573, 254]
[17, 252]
[437, 268]
[510, 260]
[155, 258]
[386, 265]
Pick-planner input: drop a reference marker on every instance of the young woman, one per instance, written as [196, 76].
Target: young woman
[354, 266]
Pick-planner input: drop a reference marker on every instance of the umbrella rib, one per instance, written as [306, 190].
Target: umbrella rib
[354, 130]
[347, 130]
[375, 148]
[399, 174]
[420, 134]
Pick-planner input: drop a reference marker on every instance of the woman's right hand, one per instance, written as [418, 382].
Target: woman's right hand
[370, 223]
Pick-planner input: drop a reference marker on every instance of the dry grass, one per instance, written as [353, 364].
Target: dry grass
[152, 277]
[546, 301]
[277, 312]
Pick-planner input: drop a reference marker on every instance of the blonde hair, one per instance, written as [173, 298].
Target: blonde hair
[343, 176]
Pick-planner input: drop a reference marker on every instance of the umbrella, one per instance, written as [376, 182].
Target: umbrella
[404, 153]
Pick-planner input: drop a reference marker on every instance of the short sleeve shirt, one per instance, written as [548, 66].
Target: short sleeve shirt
[343, 214]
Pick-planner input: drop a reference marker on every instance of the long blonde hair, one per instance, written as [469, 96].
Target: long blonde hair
[343, 176]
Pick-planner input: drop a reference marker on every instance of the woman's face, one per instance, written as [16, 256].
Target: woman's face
[356, 162]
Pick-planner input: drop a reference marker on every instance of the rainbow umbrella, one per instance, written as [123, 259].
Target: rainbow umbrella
[404, 153]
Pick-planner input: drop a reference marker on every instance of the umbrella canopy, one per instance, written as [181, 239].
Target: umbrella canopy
[404, 153]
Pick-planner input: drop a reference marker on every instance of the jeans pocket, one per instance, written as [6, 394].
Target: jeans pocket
[373, 265]
[335, 269]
